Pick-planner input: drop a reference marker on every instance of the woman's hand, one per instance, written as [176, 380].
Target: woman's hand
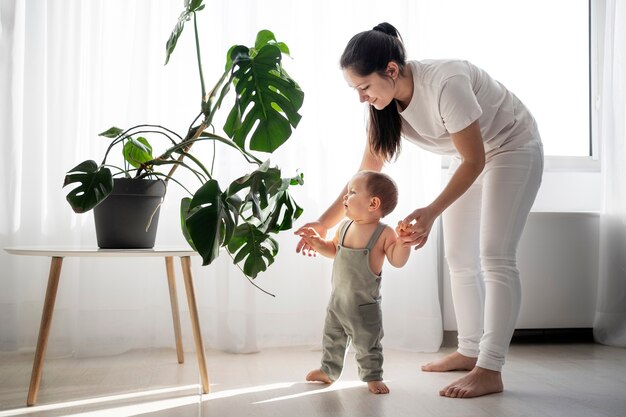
[415, 228]
[311, 230]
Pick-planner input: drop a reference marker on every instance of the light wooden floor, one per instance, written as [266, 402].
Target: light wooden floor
[544, 380]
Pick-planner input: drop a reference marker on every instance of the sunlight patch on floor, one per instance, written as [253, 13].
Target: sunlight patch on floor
[247, 390]
[141, 408]
[339, 385]
[96, 401]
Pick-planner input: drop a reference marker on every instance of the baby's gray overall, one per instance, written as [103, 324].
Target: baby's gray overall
[353, 313]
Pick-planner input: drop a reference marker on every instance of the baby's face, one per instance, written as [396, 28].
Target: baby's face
[357, 201]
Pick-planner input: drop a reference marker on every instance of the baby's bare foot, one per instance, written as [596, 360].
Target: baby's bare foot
[478, 382]
[317, 375]
[378, 387]
[453, 362]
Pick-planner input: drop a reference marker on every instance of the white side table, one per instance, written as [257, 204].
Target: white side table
[57, 255]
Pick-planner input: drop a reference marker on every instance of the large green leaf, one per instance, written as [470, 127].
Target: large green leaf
[235, 55]
[184, 213]
[254, 248]
[95, 184]
[283, 210]
[267, 208]
[267, 102]
[267, 197]
[208, 220]
[257, 182]
[266, 37]
[137, 151]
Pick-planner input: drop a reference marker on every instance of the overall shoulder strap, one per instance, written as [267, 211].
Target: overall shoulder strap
[344, 229]
[376, 235]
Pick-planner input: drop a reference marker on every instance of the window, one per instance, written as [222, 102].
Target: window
[538, 49]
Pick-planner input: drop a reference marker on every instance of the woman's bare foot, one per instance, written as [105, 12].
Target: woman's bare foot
[453, 362]
[378, 387]
[317, 375]
[479, 381]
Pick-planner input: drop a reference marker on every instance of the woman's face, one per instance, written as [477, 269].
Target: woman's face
[375, 89]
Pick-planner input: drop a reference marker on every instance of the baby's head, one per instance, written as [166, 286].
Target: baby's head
[381, 186]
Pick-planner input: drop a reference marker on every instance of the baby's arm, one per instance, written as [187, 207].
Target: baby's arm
[325, 247]
[397, 254]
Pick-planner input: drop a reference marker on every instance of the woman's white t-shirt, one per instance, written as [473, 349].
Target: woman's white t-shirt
[449, 95]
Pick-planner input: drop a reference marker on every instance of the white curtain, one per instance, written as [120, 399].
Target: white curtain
[610, 323]
[71, 69]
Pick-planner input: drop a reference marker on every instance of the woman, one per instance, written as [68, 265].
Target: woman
[453, 108]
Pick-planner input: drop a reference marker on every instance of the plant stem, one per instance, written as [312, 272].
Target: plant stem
[195, 136]
[195, 27]
[202, 126]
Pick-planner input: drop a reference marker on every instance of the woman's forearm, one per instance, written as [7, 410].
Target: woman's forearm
[460, 182]
[469, 143]
[335, 212]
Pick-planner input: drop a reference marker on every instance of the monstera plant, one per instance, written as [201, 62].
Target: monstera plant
[241, 216]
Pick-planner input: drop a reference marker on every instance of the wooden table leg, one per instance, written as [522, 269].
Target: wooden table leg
[171, 281]
[44, 329]
[185, 262]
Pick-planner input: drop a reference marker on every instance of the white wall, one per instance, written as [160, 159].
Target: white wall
[566, 191]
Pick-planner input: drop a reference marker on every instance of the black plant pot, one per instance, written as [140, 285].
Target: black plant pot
[129, 216]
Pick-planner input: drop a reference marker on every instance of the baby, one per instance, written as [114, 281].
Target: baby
[359, 247]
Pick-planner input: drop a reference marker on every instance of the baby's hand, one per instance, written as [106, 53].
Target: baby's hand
[312, 239]
[403, 229]
[309, 233]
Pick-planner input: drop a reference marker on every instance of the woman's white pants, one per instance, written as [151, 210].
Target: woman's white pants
[481, 233]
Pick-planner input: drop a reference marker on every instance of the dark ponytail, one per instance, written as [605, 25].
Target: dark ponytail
[368, 52]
